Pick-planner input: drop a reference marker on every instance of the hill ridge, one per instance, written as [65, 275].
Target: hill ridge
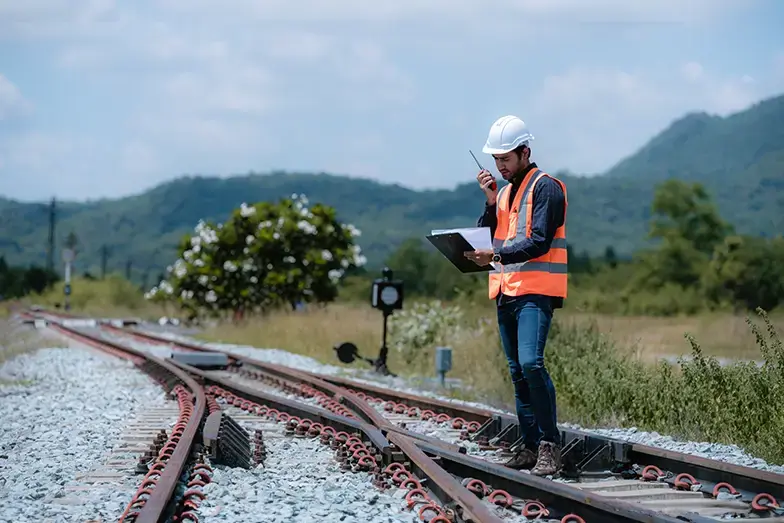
[738, 157]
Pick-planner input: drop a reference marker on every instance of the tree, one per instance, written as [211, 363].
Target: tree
[610, 258]
[685, 211]
[689, 225]
[264, 256]
[747, 271]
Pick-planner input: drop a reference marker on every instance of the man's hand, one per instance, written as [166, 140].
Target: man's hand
[485, 179]
[480, 257]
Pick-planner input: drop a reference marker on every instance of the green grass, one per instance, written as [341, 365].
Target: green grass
[112, 296]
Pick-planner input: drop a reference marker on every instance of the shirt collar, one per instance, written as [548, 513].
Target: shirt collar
[519, 177]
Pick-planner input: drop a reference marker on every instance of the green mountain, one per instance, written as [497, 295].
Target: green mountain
[739, 158]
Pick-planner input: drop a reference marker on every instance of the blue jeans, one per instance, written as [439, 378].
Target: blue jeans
[524, 324]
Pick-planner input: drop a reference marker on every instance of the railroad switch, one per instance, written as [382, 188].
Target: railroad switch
[226, 442]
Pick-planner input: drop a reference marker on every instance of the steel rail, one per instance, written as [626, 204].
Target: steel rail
[156, 506]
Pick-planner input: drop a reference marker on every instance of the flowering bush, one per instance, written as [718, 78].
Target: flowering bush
[423, 326]
[265, 255]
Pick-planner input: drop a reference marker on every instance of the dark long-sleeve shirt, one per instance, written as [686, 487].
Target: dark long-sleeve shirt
[547, 216]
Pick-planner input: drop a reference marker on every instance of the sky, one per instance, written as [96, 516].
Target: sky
[102, 98]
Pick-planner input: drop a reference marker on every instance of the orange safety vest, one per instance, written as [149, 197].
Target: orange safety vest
[543, 275]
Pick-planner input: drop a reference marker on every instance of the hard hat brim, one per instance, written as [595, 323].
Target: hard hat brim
[492, 150]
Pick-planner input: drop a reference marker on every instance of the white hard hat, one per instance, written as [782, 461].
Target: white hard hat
[506, 134]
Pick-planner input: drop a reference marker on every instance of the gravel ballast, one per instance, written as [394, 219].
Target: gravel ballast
[720, 452]
[65, 410]
[299, 481]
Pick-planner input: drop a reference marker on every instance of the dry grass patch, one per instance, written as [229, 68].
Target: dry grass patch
[312, 333]
[721, 335]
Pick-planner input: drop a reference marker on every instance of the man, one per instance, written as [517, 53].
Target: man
[527, 219]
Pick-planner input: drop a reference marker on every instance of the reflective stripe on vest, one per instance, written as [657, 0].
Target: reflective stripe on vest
[546, 274]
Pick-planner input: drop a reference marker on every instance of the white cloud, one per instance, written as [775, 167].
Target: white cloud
[692, 71]
[214, 87]
[464, 11]
[227, 90]
[55, 19]
[12, 103]
[86, 19]
[600, 115]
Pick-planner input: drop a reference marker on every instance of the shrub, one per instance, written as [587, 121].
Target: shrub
[414, 331]
[264, 256]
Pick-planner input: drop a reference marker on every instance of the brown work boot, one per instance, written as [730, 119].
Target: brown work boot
[524, 459]
[549, 461]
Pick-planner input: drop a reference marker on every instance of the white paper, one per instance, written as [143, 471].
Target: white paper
[477, 237]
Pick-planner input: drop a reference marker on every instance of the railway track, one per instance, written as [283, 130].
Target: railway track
[445, 454]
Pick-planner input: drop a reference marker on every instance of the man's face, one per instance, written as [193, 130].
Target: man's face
[511, 163]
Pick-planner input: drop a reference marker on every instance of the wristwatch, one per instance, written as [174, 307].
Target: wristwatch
[496, 258]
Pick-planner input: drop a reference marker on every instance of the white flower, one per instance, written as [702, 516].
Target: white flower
[345, 262]
[166, 287]
[246, 211]
[265, 224]
[359, 259]
[254, 279]
[269, 267]
[195, 241]
[151, 293]
[326, 255]
[335, 275]
[211, 297]
[204, 234]
[203, 279]
[180, 268]
[228, 266]
[275, 235]
[248, 266]
[186, 295]
[249, 239]
[198, 263]
[306, 227]
[289, 259]
[281, 222]
[352, 230]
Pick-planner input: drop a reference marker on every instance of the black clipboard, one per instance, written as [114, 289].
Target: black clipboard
[452, 245]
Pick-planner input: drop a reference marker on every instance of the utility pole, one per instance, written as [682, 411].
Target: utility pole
[50, 245]
[104, 259]
[69, 254]
[128, 270]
